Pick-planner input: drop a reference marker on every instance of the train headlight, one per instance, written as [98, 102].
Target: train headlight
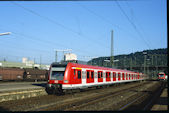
[65, 81]
[56, 81]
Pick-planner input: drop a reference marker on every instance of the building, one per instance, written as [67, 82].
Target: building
[70, 57]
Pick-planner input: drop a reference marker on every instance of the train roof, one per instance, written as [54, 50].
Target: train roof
[97, 67]
[161, 73]
[57, 64]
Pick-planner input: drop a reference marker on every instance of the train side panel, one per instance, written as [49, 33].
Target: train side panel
[78, 76]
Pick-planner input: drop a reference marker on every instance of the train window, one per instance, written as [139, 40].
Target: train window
[57, 75]
[74, 72]
[107, 75]
[79, 74]
[123, 75]
[98, 74]
[87, 74]
[129, 76]
[119, 76]
[101, 74]
[161, 75]
[114, 75]
[92, 74]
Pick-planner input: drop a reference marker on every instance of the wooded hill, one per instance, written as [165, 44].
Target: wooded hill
[148, 61]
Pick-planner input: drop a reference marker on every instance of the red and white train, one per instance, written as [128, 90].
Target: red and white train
[162, 76]
[78, 76]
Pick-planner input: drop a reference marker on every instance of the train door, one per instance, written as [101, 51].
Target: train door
[92, 77]
[78, 76]
[129, 76]
[83, 76]
[119, 76]
[122, 76]
[114, 76]
[126, 76]
[136, 76]
[87, 76]
[100, 76]
[108, 77]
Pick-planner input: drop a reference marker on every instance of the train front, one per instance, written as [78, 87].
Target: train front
[55, 78]
[161, 76]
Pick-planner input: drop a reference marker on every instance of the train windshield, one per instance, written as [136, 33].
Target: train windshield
[57, 71]
[161, 75]
[57, 75]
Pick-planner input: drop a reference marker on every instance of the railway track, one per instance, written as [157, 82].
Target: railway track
[86, 100]
[103, 99]
[149, 98]
[77, 103]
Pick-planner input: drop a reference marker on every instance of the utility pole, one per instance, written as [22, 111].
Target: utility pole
[56, 56]
[148, 72]
[145, 57]
[125, 67]
[40, 61]
[152, 60]
[131, 63]
[34, 62]
[112, 57]
[156, 64]
[135, 62]
[61, 51]
[124, 62]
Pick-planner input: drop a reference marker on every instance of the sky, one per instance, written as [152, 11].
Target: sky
[38, 28]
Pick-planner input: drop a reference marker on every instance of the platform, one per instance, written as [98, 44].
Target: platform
[162, 103]
[21, 90]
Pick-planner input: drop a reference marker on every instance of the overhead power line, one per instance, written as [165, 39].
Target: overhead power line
[44, 17]
[132, 23]
[136, 20]
[44, 42]
[61, 25]
[104, 19]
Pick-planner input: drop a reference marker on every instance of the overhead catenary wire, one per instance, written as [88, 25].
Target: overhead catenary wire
[136, 20]
[132, 23]
[47, 42]
[61, 25]
[104, 19]
[35, 40]
[99, 16]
